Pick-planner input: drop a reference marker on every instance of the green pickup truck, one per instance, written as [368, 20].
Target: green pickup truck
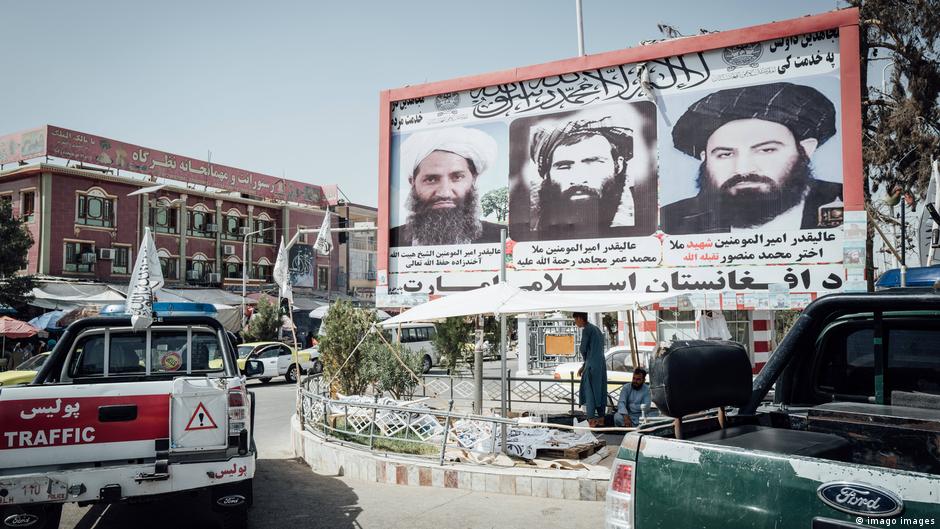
[852, 438]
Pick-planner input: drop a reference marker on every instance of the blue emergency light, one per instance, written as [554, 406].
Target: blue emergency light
[162, 309]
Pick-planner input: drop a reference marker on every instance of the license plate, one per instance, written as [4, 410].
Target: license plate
[30, 490]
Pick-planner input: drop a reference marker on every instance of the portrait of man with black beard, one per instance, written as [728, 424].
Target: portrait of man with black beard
[443, 167]
[575, 174]
[755, 144]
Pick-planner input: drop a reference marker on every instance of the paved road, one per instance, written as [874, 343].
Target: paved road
[288, 495]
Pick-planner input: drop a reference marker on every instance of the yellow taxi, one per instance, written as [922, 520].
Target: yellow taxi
[25, 372]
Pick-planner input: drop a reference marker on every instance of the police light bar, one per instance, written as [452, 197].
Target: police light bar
[162, 309]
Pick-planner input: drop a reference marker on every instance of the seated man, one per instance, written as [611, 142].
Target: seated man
[634, 399]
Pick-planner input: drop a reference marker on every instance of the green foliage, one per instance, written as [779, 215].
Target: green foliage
[900, 123]
[496, 201]
[341, 330]
[388, 373]
[264, 324]
[451, 341]
[14, 289]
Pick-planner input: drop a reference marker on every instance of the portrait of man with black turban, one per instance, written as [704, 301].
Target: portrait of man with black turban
[580, 182]
[755, 144]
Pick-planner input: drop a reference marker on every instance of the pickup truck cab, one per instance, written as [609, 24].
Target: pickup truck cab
[851, 439]
[117, 414]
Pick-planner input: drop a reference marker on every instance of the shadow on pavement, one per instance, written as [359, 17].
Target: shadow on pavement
[287, 494]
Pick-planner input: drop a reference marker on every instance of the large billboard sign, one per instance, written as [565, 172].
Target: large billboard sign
[726, 167]
[55, 141]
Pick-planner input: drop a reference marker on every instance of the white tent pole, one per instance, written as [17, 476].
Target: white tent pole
[502, 339]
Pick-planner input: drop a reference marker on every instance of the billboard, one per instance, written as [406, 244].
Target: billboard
[725, 167]
[89, 148]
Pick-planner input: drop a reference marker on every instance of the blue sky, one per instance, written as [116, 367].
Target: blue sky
[292, 87]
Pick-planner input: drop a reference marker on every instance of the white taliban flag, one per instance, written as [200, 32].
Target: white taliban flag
[146, 280]
[282, 272]
[324, 242]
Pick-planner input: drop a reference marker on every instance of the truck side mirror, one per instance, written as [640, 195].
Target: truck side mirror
[253, 368]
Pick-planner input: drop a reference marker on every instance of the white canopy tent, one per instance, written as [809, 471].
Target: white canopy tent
[503, 298]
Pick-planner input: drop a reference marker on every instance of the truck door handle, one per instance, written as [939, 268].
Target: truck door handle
[118, 413]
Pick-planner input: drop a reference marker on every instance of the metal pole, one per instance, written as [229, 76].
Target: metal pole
[903, 243]
[478, 371]
[580, 28]
[504, 386]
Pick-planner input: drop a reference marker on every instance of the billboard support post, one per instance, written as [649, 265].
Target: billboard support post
[502, 339]
[578, 6]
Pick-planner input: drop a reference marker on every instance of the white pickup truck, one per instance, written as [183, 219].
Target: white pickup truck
[116, 414]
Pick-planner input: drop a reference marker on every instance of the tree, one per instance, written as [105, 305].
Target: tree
[15, 241]
[451, 340]
[343, 328]
[901, 124]
[496, 201]
[264, 324]
[387, 372]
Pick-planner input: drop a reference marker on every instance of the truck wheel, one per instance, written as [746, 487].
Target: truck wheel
[426, 364]
[265, 380]
[291, 375]
[44, 516]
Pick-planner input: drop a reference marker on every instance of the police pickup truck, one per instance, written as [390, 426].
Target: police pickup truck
[117, 414]
[852, 439]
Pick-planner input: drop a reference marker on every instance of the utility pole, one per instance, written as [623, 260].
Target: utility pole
[580, 28]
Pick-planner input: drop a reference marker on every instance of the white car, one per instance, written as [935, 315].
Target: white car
[619, 362]
[277, 359]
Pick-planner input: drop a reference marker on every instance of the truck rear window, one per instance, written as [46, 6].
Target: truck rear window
[913, 362]
[125, 353]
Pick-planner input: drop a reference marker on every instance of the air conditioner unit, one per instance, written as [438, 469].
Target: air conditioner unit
[106, 254]
[88, 258]
[193, 275]
[228, 249]
[212, 228]
[244, 231]
[215, 278]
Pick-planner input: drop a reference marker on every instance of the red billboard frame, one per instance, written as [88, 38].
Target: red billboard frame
[845, 20]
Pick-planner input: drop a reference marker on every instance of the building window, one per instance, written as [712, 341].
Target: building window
[233, 223]
[6, 205]
[263, 272]
[198, 268]
[79, 257]
[266, 234]
[163, 218]
[323, 278]
[201, 223]
[302, 238]
[95, 208]
[738, 324]
[168, 267]
[122, 260]
[233, 270]
[28, 206]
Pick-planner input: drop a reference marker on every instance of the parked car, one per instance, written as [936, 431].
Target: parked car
[619, 368]
[277, 358]
[316, 366]
[25, 372]
[417, 338]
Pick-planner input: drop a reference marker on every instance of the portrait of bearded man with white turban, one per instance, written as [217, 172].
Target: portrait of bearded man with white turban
[443, 167]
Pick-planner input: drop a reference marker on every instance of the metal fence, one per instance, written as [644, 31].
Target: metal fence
[531, 390]
[412, 428]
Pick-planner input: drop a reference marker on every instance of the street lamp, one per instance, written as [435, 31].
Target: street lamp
[245, 267]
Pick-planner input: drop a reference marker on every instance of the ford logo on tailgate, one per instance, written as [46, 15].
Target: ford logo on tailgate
[21, 520]
[856, 498]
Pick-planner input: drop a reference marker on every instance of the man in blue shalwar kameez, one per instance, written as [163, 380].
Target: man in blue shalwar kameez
[593, 373]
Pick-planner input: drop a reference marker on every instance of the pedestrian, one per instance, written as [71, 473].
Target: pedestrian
[634, 400]
[50, 344]
[593, 373]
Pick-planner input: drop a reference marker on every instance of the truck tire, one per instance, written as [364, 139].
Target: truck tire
[316, 368]
[43, 516]
[291, 375]
[234, 519]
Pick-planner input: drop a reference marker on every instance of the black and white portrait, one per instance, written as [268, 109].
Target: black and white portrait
[755, 146]
[583, 174]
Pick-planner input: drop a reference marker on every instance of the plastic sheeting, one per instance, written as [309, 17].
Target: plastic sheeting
[68, 296]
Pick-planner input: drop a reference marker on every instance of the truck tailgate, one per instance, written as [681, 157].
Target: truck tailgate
[727, 487]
